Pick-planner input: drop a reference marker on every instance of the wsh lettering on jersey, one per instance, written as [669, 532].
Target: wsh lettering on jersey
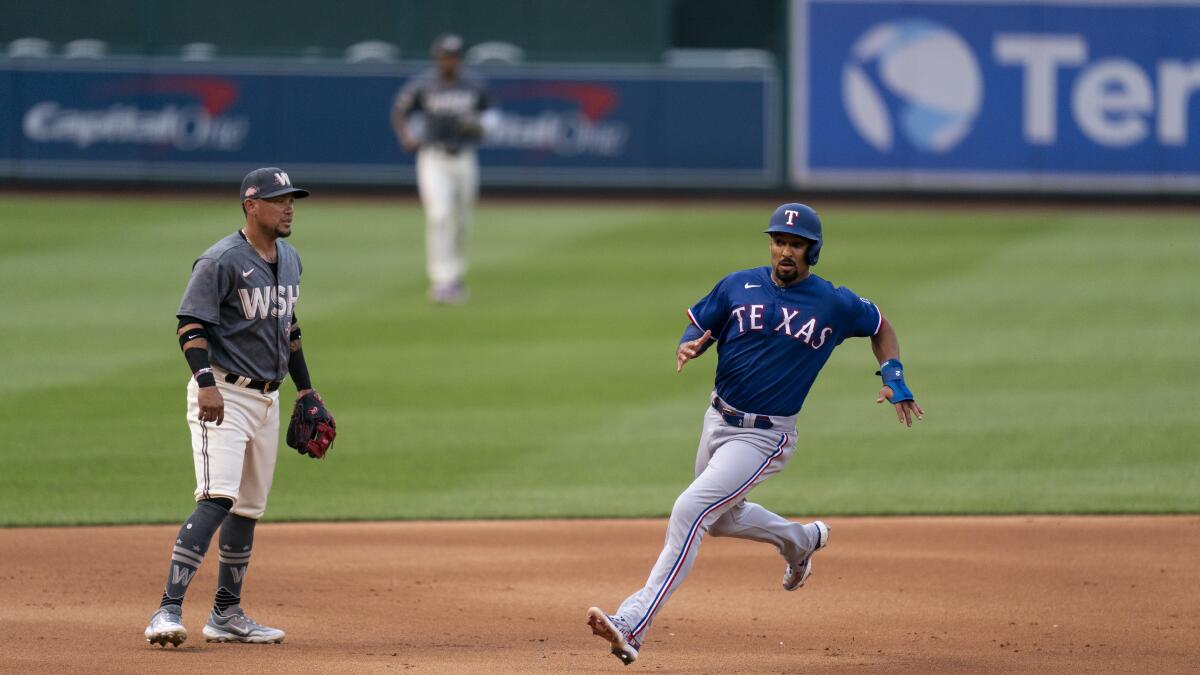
[451, 102]
[268, 301]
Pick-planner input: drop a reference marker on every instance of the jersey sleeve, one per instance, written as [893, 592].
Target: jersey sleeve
[711, 311]
[860, 315]
[408, 99]
[202, 298]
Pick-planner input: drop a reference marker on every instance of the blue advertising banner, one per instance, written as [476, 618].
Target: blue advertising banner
[1052, 95]
[586, 126]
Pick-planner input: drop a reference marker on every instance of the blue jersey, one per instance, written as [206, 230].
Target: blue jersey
[771, 340]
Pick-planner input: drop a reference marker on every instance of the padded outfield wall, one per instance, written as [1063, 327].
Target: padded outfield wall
[153, 120]
[1054, 95]
[1046, 96]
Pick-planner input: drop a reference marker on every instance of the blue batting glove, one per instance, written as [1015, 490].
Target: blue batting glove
[892, 372]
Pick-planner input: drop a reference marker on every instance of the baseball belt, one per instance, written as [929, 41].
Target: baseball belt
[736, 418]
[265, 386]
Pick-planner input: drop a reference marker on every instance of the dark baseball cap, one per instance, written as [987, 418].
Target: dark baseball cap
[269, 182]
[447, 44]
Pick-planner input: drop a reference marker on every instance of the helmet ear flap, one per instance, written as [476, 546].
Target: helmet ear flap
[813, 253]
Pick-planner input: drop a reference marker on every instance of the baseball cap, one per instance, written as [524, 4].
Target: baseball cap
[269, 182]
[798, 219]
[448, 43]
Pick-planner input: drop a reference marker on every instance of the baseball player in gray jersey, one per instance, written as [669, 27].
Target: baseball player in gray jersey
[456, 110]
[238, 332]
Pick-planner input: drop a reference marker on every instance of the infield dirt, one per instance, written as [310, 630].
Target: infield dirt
[889, 595]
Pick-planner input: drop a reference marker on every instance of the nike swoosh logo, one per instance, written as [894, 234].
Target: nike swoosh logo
[753, 285]
[247, 273]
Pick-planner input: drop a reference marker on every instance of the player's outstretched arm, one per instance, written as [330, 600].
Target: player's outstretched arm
[690, 349]
[886, 346]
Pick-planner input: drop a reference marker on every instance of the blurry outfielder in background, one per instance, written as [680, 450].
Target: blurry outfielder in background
[238, 332]
[775, 327]
[455, 109]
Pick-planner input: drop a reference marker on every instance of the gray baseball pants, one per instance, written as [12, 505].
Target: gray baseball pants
[730, 461]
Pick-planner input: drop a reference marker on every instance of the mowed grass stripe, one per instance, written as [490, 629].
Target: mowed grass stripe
[1054, 349]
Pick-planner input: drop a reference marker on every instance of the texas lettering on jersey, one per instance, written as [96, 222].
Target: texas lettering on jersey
[268, 301]
[750, 317]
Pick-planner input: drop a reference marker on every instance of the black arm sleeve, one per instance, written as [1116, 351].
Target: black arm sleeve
[184, 320]
[197, 358]
[298, 369]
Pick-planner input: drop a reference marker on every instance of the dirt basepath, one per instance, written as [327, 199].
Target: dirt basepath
[915, 595]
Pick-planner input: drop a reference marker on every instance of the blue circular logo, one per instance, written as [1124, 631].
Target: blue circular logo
[914, 75]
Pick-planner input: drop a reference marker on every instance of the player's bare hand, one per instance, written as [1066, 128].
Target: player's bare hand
[410, 143]
[212, 406]
[690, 350]
[906, 411]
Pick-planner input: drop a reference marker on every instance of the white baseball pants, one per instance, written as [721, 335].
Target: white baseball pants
[237, 458]
[449, 186]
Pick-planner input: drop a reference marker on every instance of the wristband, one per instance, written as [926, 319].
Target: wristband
[892, 372]
[205, 378]
[197, 360]
[192, 334]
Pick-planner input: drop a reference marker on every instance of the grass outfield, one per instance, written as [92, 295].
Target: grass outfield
[1055, 351]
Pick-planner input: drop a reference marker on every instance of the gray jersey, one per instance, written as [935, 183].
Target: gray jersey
[246, 306]
[446, 105]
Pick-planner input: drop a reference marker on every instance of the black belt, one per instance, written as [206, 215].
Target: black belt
[265, 386]
[736, 418]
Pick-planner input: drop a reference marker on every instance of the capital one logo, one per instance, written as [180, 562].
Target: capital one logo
[914, 78]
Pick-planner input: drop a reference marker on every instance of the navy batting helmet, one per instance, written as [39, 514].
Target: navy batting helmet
[801, 221]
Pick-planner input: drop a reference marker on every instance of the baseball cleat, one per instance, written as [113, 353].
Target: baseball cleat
[166, 625]
[234, 626]
[454, 293]
[797, 573]
[605, 626]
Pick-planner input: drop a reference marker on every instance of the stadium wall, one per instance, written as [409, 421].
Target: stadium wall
[573, 126]
[1052, 96]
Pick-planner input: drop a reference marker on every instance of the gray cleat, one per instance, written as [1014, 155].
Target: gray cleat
[233, 625]
[797, 573]
[604, 626]
[166, 625]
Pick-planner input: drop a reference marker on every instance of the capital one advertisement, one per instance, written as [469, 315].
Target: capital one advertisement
[578, 126]
[1070, 95]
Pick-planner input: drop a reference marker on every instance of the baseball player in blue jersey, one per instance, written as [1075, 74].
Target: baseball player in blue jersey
[775, 327]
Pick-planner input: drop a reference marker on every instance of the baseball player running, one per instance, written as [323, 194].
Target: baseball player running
[455, 106]
[238, 332]
[775, 327]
